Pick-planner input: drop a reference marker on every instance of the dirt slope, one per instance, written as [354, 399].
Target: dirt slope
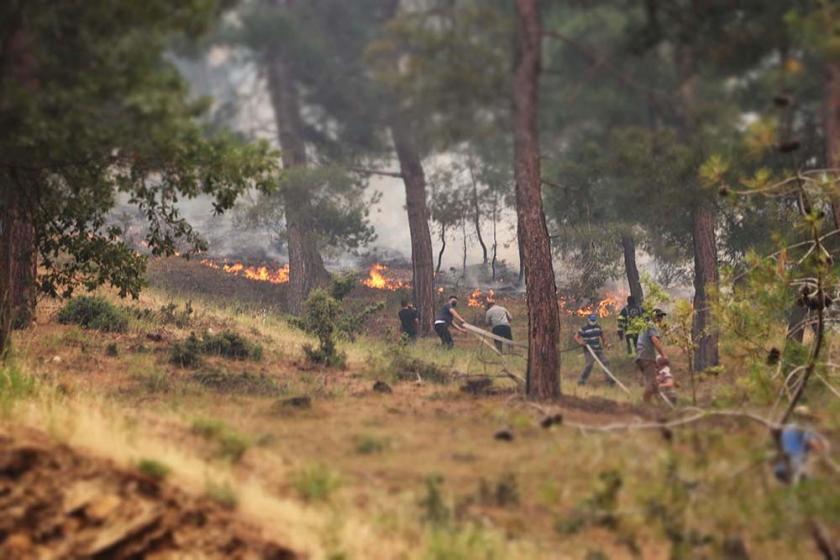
[58, 503]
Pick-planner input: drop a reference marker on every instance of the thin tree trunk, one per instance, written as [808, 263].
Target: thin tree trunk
[629, 245]
[543, 314]
[306, 267]
[464, 238]
[704, 332]
[832, 134]
[495, 238]
[477, 215]
[442, 248]
[417, 209]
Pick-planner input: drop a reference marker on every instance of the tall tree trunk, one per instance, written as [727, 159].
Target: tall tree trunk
[629, 245]
[477, 215]
[306, 267]
[18, 262]
[705, 279]
[422, 257]
[832, 134]
[543, 314]
[704, 331]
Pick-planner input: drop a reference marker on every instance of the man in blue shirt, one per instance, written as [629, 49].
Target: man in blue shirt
[591, 335]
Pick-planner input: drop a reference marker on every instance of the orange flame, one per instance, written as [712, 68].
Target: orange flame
[608, 305]
[378, 280]
[477, 299]
[255, 273]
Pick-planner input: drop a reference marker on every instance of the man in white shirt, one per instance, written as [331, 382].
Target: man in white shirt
[499, 320]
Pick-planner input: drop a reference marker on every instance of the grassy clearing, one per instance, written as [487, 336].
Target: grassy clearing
[415, 473]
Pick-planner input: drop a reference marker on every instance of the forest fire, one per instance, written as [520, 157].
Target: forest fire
[255, 273]
[378, 279]
[606, 306]
[477, 298]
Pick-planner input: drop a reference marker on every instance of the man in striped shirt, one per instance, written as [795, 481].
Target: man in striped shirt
[591, 335]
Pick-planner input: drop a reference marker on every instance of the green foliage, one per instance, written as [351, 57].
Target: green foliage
[170, 315]
[316, 483]
[228, 344]
[186, 354]
[92, 312]
[153, 469]
[100, 110]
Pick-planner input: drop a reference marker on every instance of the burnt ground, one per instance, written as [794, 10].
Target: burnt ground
[59, 503]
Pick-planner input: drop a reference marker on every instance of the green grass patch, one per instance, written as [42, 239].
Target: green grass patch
[153, 469]
[316, 483]
[230, 444]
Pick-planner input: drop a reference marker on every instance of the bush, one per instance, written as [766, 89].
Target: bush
[321, 313]
[93, 313]
[369, 444]
[186, 354]
[316, 483]
[228, 344]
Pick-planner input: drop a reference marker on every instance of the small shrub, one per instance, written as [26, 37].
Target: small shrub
[321, 313]
[221, 493]
[93, 313]
[170, 315]
[112, 350]
[436, 511]
[232, 446]
[153, 469]
[316, 483]
[186, 354]
[368, 445]
[230, 345]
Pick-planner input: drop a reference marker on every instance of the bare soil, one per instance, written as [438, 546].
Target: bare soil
[59, 503]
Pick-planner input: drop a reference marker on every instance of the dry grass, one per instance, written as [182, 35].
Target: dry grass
[135, 406]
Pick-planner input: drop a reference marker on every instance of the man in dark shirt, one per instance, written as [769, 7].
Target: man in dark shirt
[628, 324]
[446, 318]
[591, 335]
[409, 321]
